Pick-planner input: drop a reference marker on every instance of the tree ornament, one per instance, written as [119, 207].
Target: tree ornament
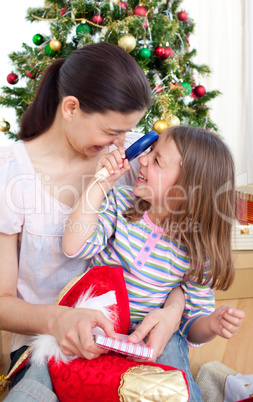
[168, 52]
[32, 73]
[187, 87]
[83, 28]
[38, 39]
[141, 11]
[55, 44]
[173, 86]
[12, 78]
[159, 126]
[123, 5]
[97, 19]
[50, 52]
[199, 91]
[182, 16]
[145, 25]
[144, 53]
[64, 9]
[159, 51]
[174, 121]
[158, 89]
[127, 42]
[4, 126]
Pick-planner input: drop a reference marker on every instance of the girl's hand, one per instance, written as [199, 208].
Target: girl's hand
[115, 163]
[73, 331]
[161, 323]
[225, 321]
[156, 326]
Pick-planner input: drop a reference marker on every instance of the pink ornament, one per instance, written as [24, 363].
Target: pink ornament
[182, 16]
[141, 11]
[97, 19]
[145, 25]
[123, 5]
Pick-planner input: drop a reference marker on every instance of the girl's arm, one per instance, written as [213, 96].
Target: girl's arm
[84, 214]
[224, 321]
[161, 323]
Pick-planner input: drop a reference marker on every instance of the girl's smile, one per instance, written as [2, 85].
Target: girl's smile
[159, 172]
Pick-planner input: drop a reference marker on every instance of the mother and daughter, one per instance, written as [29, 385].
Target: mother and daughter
[170, 232]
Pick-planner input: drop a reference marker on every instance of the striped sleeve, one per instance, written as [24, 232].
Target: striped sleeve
[107, 221]
[199, 301]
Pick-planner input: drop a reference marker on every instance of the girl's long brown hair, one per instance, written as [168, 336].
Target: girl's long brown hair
[207, 212]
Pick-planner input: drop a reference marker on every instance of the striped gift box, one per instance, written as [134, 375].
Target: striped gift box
[121, 345]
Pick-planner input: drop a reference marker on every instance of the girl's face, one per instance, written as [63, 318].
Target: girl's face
[89, 134]
[159, 171]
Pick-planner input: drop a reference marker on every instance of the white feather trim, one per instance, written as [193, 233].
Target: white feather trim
[45, 346]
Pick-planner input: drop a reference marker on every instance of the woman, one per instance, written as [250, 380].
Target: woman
[84, 106]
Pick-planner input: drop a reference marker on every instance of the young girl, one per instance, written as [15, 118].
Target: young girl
[173, 228]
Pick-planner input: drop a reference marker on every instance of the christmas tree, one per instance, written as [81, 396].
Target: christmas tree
[155, 33]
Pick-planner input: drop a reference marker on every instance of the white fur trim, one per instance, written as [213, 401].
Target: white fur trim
[45, 346]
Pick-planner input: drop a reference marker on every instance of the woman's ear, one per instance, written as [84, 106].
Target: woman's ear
[69, 106]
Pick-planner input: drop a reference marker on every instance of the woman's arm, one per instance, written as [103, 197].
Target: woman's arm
[71, 327]
[84, 213]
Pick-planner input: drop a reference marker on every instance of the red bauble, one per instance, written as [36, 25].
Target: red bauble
[168, 52]
[97, 19]
[141, 11]
[12, 78]
[182, 16]
[123, 5]
[199, 91]
[32, 73]
[159, 51]
[158, 89]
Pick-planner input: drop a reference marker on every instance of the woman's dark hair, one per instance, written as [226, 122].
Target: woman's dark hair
[101, 76]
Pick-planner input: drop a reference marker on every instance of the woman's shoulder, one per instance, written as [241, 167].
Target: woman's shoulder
[12, 157]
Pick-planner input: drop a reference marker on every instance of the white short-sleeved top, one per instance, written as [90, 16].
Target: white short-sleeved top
[29, 210]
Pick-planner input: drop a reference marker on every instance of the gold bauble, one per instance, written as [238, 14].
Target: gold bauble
[55, 44]
[159, 126]
[127, 42]
[4, 126]
[174, 121]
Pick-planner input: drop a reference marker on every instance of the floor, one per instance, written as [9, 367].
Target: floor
[237, 353]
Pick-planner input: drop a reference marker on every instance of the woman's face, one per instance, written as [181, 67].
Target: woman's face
[159, 172]
[91, 133]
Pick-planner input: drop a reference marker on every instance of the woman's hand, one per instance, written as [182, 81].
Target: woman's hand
[73, 331]
[160, 324]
